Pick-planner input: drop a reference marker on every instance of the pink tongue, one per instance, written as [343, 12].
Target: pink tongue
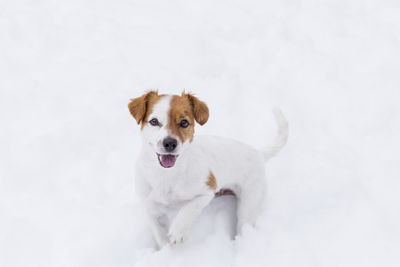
[168, 160]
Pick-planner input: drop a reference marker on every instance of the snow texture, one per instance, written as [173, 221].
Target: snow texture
[68, 143]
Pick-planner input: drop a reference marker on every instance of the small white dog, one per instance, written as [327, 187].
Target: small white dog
[178, 175]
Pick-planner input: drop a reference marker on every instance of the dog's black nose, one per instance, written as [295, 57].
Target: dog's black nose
[170, 144]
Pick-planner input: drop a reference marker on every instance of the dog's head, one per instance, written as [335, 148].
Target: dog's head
[167, 122]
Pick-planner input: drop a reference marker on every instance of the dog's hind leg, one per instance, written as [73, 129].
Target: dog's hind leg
[250, 202]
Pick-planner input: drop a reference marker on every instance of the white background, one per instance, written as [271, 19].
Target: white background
[68, 142]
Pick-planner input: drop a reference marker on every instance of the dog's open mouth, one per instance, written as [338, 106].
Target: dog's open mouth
[167, 160]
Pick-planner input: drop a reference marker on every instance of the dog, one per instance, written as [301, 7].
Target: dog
[178, 174]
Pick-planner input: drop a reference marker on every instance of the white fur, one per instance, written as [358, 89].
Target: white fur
[174, 197]
[152, 135]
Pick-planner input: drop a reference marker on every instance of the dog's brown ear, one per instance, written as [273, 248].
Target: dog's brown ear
[200, 109]
[138, 106]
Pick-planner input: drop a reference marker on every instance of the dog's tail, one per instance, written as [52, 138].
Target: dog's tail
[281, 138]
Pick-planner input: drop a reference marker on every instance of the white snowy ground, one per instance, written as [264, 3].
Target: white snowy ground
[68, 143]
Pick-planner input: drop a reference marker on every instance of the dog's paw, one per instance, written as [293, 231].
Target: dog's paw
[177, 233]
[161, 241]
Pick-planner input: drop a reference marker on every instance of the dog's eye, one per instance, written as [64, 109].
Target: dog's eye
[154, 122]
[184, 123]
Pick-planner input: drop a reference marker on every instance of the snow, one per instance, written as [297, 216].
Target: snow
[68, 142]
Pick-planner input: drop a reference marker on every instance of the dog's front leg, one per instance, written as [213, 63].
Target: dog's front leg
[158, 224]
[186, 216]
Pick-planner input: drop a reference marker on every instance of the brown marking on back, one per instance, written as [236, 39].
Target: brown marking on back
[212, 182]
[186, 107]
[141, 107]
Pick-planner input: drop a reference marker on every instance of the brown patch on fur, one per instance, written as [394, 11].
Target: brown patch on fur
[141, 107]
[224, 192]
[180, 109]
[212, 182]
[186, 107]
